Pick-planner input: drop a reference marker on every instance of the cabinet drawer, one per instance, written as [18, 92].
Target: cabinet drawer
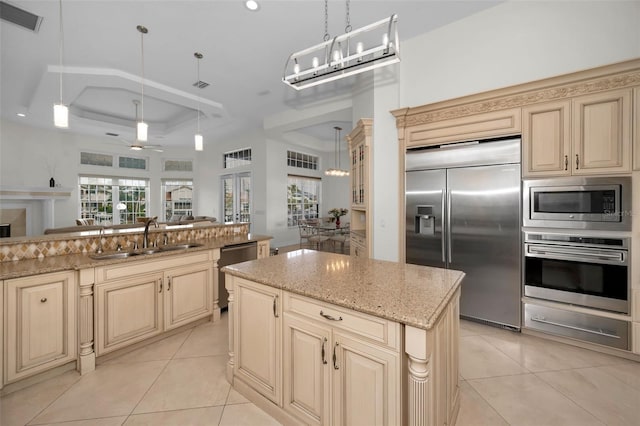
[369, 327]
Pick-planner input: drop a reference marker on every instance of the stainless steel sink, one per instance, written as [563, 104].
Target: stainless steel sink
[116, 255]
[179, 246]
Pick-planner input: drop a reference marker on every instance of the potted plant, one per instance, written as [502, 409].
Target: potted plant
[337, 213]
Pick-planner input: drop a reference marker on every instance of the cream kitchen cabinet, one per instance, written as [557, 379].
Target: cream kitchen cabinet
[337, 361]
[136, 301]
[360, 140]
[585, 135]
[636, 129]
[258, 337]
[263, 249]
[40, 323]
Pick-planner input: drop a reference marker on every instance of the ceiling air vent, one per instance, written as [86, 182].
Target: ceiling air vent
[200, 84]
[20, 17]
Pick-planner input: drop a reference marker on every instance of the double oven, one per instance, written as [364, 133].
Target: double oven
[577, 262]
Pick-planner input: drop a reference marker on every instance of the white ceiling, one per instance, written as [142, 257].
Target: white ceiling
[244, 56]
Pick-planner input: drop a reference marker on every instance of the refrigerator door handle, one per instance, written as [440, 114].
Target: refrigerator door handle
[444, 259]
[449, 224]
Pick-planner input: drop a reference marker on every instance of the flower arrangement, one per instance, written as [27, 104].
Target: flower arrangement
[336, 213]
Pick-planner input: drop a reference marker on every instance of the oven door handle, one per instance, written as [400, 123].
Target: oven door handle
[543, 320]
[580, 255]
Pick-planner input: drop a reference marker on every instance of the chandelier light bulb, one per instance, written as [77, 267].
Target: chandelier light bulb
[315, 62]
[359, 47]
[336, 56]
[61, 116]
[199, 142]
[296, 67]
[142, 130]
[385, 39]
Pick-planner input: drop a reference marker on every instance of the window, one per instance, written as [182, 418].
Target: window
[178, 166]
[241, 157]
[303, 198]
[99, 195]
[132, 163]
[93, 159]
[178, 198]
[303, 161]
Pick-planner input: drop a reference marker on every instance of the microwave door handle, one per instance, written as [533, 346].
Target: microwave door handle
[575, 254]
[442, 224]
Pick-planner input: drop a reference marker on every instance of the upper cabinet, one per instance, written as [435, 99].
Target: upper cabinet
[585, 135]
[636, 129]
[360, 140]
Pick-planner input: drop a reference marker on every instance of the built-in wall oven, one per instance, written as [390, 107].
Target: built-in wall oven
[590, 272]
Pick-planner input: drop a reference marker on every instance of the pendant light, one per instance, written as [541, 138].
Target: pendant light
[199, 141]
[60, 110]
[142, 128]
[338, 172]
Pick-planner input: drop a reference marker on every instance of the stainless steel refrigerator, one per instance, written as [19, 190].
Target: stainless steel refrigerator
[463, 212]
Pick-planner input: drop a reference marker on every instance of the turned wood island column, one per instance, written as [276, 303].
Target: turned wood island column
[327, 339]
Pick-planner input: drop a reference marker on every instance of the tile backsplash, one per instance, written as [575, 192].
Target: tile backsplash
[34, 248]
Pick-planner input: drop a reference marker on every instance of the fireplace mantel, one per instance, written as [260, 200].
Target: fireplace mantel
[45, 195]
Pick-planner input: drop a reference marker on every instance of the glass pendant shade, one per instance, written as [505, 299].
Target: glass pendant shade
[61, 116]
[142, 129]
[199, 142]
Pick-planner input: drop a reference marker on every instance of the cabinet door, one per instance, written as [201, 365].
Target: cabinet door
[306, 361]
[258, 338]
[128, 311]
[364, 376]
[188, 295]
[601, 133]
[41, 323]
[636, 128]
[546, 143]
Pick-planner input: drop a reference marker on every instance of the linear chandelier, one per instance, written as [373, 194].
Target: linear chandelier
[373, 46]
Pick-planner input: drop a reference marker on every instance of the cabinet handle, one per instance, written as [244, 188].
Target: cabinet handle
[275, 306]
[329, 317]
[577, 162]
[43, 300]
[169, 284]
[324, 359]
[335, 357]
[566, 162]
[160, 286]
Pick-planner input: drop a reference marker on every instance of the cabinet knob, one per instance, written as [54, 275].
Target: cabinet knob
[43, 300]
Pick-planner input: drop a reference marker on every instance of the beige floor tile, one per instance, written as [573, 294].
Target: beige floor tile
[479, 359]
[18, 408]
[536, 354]
[193, 417]
[236, 398]
[111, 390]
[163, 349]
[471, 328]
[246, 415]
[107, 421]
[627, 373]
[206, 340]
[603, 395]
[475, 411]
[528, 400]
[188, 383]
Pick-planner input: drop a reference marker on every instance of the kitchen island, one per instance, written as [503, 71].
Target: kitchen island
[321, 338]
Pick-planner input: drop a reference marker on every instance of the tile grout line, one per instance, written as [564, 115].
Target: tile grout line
[54, 400]
[487, 402]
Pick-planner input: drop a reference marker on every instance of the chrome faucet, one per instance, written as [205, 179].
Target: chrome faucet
[99, 249]
[145, 239]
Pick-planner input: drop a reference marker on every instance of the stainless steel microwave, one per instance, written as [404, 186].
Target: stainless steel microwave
[599, 203]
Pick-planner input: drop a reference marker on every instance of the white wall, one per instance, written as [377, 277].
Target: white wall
[514, 42]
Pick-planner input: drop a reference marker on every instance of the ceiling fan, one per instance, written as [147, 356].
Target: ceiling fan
[138, 146]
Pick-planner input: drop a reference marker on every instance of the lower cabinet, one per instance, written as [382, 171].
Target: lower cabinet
[155, 299]
[258, 338]
[320, 371]
[40, 327]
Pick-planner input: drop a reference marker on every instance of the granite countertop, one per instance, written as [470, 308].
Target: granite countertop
[409, 294]
[22, 268]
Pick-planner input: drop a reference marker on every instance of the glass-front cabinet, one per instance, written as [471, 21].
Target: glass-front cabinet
[360, 152]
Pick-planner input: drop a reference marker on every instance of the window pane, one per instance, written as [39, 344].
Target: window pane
[178, 198]
[303, 199]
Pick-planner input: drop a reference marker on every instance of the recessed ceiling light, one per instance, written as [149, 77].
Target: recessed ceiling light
[252, 5]
[21, 114]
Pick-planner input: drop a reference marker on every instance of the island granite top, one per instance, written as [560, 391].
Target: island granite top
[409, 294]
